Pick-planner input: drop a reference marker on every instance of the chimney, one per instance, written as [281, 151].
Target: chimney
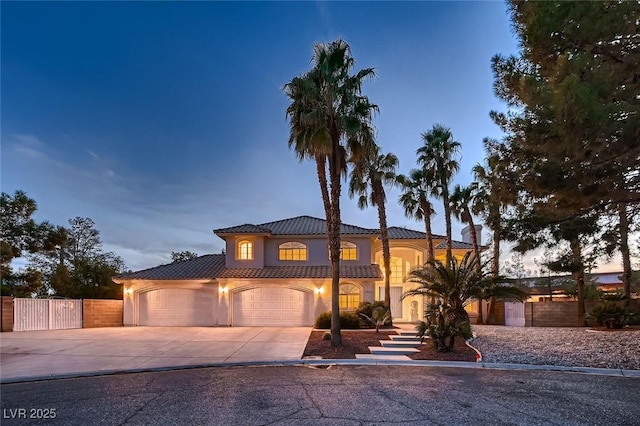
[466, 234]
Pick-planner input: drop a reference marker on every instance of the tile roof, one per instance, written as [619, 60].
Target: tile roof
[247, 228]
[398, 233]
[323, 271]
[204, 267]
[300, 225]
[455, 245]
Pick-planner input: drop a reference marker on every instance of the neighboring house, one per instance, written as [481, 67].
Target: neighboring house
[607, 282]
[278, 274]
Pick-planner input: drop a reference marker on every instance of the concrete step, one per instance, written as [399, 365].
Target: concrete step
[407, 333]
[399, 344]
[404, 338]
[384, 357]
[378, 350]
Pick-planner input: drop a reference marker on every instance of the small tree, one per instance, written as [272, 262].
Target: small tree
[455, 286]
[181, 256]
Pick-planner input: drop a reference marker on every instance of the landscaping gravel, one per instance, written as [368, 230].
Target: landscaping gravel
[573, 347]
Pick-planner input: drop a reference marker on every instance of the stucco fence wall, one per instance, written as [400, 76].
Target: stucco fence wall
[562, 314]
[95, 313]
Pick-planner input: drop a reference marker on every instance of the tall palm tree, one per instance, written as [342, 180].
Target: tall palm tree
[415, 200]
[491, 200]
[439, 154]
[330, 121]
[368, 179]
[462, 200]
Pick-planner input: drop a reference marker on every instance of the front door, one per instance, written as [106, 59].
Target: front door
[396, 303]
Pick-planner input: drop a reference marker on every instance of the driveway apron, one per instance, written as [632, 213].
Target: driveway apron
[55, 352]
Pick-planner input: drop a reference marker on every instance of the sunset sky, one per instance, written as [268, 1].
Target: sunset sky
[162, 120]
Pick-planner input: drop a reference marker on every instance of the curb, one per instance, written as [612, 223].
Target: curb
[326, 363]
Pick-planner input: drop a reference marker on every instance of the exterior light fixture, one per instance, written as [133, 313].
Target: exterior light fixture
[319, 290]
[223, 290]
[128, 291]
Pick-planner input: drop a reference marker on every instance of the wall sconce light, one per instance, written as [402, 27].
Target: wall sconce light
[223, 290]
[128, 291]
[319, 290]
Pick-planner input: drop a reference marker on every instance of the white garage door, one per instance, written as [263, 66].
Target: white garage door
[176, 307]
[273, 306]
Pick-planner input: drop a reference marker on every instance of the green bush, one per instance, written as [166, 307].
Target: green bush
[366, 309]
[611, 315]
[348, 320]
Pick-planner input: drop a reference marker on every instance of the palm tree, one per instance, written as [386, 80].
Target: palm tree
[415, 201]
[492, 198]
[330, 121]
[455, 285]
[462, 200]
[437, 154]
[368, 179]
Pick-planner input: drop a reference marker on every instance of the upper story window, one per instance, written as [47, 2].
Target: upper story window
[348, 251]
[244, 250]
[397, 277]
[292, 251]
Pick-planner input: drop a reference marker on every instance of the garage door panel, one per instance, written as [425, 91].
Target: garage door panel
[272, 306]
[176, 307]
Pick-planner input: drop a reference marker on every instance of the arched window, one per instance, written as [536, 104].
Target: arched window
[244, 250]
[397, 276]
[292, 251]
[349, 297]
[348, 251]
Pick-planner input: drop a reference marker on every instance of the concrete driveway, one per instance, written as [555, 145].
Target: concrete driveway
[54, 352]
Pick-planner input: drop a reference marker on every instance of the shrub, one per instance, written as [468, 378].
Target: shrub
[348, 320]
[326, 336]
[443, 324]
[366, 310]
[378, 318]
[611, 315]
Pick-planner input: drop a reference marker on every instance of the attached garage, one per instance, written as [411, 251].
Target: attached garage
[177, 307]
[272, 306]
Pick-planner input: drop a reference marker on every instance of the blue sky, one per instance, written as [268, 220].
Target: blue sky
[162, 120]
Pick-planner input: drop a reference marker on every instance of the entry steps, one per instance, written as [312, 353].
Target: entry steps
[401, 344]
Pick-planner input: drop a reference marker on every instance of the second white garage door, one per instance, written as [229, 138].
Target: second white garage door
[272, 306]
[176, 307]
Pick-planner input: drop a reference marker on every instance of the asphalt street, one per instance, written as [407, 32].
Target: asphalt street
[338, 395]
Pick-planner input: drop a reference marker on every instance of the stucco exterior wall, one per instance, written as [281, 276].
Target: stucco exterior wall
[320, 288]
[231, 258]
[317, 250]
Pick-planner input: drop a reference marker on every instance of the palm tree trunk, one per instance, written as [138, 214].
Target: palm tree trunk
[378, 195]
[474, 238]
[321, 164]
[447, 213]
[624, 251]
[495, 265]
[576, 251]
[334, 250]
[426, 210]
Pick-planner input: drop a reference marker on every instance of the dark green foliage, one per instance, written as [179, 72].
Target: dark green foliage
[348, 320]
[443, 324]
[181, 256]
[366, 308]
[611, 315]
[378, 318]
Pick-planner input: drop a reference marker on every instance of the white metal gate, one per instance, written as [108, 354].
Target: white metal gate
[46, 314]
[514, 314]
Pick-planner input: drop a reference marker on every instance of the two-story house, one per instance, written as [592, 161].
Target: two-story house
[278, 274]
